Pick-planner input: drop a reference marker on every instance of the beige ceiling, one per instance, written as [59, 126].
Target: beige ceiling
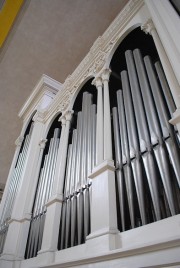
[49, 37]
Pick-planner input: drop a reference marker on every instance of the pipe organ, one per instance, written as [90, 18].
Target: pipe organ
[146, 146]
[78, 193]
[75, 221]
[43, 193]
[14, 186]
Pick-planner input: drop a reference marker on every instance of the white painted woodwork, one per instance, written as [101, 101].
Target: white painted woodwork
[152, 245]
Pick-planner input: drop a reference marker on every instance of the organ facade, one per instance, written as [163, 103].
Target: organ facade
[96, 173]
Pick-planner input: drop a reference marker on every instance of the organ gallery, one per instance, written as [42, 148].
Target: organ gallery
[96, 173]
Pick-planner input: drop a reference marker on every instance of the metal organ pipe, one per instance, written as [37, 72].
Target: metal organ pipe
[165, 88]
[119, 171]
[43, 193]
[126, 157]
[167, 132]
[154, 126]
[133, 146]
[146, 150]
[155, 133]
[75, 219]
[14, 185]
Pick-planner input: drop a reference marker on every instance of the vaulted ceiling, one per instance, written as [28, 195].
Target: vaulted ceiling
[48, 37]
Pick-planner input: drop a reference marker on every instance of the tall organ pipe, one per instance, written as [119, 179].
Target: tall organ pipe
[143, 132]
[43, 193]
[73, 189]
[15, 180]
[126, 158]
[145, 144]
[119, 171]
[133, 146]
[165, 87]
[80, 129]
[156, 136]
[75, 220]
[166, 129]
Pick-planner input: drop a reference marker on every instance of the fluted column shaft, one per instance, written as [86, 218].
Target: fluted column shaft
[59, 189]
[107, 117]
[62, 119]
[99, 129]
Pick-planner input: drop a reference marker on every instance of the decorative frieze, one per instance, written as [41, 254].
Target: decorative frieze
[95, 60]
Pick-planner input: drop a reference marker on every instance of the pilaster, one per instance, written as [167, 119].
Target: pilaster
[104, 234]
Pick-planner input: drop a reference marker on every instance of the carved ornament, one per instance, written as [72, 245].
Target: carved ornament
[148, 26]
[19, 141]
[42, 143]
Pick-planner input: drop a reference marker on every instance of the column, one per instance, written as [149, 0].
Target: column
[99, 129]
[15, 244]
[149, 27]
[54, 205]
[104, 234]
[107, 116]
[58, 186]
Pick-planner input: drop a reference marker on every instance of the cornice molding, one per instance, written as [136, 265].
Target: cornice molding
[46, 85]
[40, 116]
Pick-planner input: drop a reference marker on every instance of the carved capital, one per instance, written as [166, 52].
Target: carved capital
[68, 115]
[39, 116]
[42, 143]
[62, 119]
[97, 82]
[105, 75]
[148, 26]
[19, 141]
